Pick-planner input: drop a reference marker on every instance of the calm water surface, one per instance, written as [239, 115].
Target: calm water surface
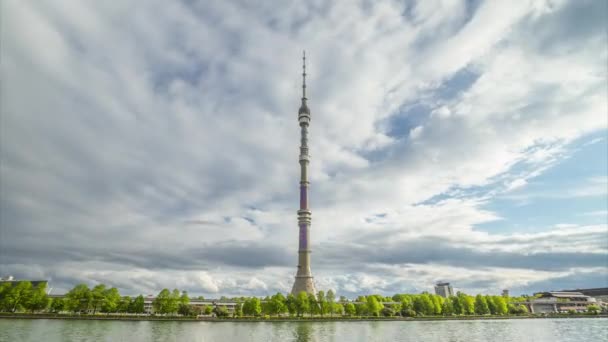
[520, 330]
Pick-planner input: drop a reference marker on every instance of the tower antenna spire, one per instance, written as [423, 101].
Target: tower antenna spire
[304, 74]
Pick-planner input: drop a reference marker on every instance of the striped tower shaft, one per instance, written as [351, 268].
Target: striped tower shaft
[304, 280]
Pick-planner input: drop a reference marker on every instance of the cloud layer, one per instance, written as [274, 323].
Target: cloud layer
[155, 145]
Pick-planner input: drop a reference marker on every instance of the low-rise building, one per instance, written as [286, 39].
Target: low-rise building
[560, 302]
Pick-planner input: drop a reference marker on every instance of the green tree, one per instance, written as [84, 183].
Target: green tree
[79, 298]
[291, 304]
[221, 311]
[98, 295]
[185, 309]
[57, 305]
[456, 305]
[302, 303]
[322, 303]
[331, 300]
[137, 306]
[38, 299]
[468, 303]
[424, 305]
[124, 304]
[361, 306]
[500, 304]
[252, 307]
[481, 306]
[111, 300]
[184, 299]
[18, 296]
[374, 306]
[437, 304]
[313, 304]
[593, 309]
[491, 305]
[208, 310]
[4, 291]
[448, 307]
[238, 310]
[174, 300]
[349, 309]
[277, 304]
[161, 303]
[337, 308]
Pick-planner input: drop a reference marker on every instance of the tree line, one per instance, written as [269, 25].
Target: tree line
[23, 297]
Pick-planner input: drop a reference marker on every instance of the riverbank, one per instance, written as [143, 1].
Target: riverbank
[285, 319]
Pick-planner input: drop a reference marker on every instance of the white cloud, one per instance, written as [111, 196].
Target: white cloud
[129, 132]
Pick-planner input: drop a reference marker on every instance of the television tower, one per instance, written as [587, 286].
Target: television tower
[304, 281]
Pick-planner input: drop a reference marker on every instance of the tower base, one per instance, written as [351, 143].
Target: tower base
[303, 283]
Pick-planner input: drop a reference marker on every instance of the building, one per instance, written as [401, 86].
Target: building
[304, 281]
[599, 293]
[560, 301]
[444, 290]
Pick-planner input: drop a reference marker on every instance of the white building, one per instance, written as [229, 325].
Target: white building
[444, 290]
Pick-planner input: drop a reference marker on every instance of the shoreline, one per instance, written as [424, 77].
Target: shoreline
[270, 320]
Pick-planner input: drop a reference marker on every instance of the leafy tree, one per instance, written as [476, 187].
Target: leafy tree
[238, 310]
[37, 299]
[361, 306]
[424, 305]
[184, 299]
[124, 304]
[208, 310]
[137, 306]
[79, 298]
[448, 307]
[500, 304]
[252, 307]
[221, 311]
[277, 304]
[349, 309]
[481, 306]
[174, 300]
[18, 296]
[468, 303]
[200, 298]
[4, 291]
[387, 312]
[343, 299]
[323, 308]
[518, 309]
[98, 295]
[593, 309]
[185, 309]
[302, 303]
[111, 300]
[457, 305]
[291, 304]
[374, 306]
[57, 305]
[437, 304]
[491, 305]
[313, 304]
[161, 303]
[331, 300]
[338, 309]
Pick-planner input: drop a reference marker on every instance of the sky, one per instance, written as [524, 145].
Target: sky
[150, 145]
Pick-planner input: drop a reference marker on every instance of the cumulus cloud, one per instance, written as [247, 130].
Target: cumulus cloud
[155, 145]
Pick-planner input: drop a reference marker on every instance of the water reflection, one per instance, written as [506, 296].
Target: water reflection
[304, 332]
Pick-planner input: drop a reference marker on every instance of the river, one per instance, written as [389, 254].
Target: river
[516, 330]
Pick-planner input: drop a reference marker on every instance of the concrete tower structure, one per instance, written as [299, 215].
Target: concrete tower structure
[304, 280]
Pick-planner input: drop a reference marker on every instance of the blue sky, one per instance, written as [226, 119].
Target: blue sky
[151, 145]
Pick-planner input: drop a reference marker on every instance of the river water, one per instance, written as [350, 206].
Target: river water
[516, 330]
